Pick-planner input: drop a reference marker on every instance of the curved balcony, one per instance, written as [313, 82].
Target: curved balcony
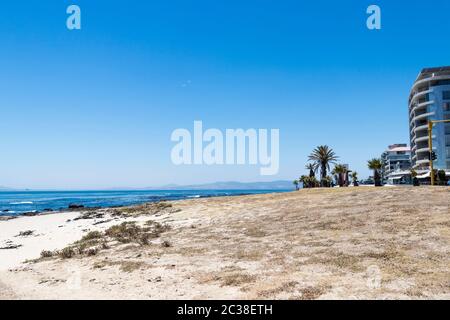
[425, 138]
[433, 78]
[424, 150]
[417, 95]
[420, 105]
[423, 161]
[424, 115]
[422, 127]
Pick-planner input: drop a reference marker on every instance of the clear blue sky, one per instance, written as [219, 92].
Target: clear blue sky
[95, 108]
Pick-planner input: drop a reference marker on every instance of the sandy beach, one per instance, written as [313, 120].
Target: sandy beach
[340, 243]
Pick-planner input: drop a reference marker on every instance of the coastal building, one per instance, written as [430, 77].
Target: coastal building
[396, 164]
[430, 100]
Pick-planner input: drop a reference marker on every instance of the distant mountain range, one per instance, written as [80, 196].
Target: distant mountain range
[5, 189]
[231, 185]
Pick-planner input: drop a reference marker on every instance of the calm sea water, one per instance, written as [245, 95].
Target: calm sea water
[20, 202]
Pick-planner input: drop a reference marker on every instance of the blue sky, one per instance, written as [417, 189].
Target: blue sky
[95, 108]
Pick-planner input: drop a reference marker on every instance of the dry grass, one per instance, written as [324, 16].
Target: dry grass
[332, 236]
[124, 265]
[95, 241]
[153, 208]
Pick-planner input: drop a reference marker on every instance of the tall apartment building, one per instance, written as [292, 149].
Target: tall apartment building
[396, 163]
[430, 100]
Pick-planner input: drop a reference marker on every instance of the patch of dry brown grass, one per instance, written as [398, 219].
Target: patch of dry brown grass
[124, 265]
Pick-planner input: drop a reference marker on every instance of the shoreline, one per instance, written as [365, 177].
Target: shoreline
[78, 205]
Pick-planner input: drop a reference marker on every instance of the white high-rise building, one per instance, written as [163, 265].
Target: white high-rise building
[430, 100]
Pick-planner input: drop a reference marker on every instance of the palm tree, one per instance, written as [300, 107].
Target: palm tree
[322, 157]
[305, 180]
[295, 182]
[309, 182]
[375, 165]
[442, 177]
[354, 176]
[312, 169]
[415, 181]
[340, 170]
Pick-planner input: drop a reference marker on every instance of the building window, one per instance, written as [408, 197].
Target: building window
[446, 95]
[446, 106]
[442, 83]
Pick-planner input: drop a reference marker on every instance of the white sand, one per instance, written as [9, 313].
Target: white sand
[51, 232]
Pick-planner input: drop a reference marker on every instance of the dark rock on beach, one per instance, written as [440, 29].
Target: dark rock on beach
[89, 215]
[26, 233]
[6, 218]
[10, 246]
[30, 214]
[75, 206]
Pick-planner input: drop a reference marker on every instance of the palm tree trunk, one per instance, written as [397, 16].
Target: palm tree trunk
[323, 175]
[376, 177]
[341, 180]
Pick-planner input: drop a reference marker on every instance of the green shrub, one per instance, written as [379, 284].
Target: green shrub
[92, 235]
[46, 254]
[125, 232]
[92, 252]
[67, 253]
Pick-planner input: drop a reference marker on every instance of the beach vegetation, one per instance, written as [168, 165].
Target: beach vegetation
[376, 164]
[442, 177]
[312, 169]
[151, 208]
[125, 233]
[67, 253]
[354, 176]
[92, 235]
[92, 251]
[326, 182]
[322, 157]
[415, 180]
[46, 254]
[309, 182]
[339, 171]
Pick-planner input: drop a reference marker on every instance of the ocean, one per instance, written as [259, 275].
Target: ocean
[20, 202]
